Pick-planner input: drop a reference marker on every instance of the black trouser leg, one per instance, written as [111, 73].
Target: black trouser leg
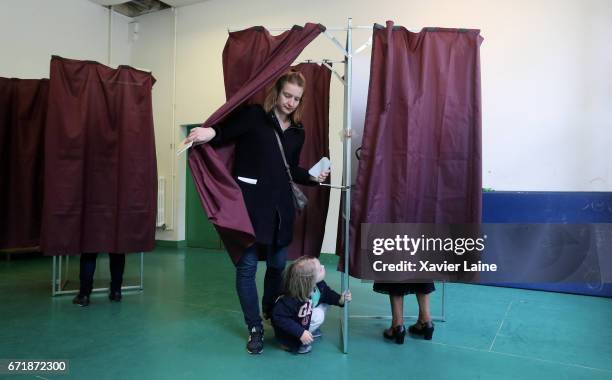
[87, 270]
[275, 264]
[117, 267]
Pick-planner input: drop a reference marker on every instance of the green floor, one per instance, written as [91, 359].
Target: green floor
[187, 324]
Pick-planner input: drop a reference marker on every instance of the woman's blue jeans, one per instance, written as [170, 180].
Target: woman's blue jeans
[246, 270]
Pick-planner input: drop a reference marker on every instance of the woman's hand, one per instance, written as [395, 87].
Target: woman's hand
[345, 297]
[200, 134]
[322, 177]
[306, 337]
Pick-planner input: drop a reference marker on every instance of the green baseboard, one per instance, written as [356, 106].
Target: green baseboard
[328, 258]
[171, 243]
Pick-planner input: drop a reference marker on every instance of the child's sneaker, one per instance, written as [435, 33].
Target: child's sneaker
[304, 349]
[255, 343]
[317, 333]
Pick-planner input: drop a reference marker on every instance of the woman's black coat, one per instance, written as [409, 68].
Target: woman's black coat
[257, 157]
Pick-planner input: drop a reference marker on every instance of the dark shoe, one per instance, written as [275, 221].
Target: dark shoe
[115, 292]
[115, 295]
[81, 300]
[255, 343]
[422, 329]
[397, 333]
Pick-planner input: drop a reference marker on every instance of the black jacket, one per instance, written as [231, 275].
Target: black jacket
[291, 317]
[257, 156]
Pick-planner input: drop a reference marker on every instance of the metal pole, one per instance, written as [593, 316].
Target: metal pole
[67, 265]
[231, 29]
[348, 79]
[141, 270]
[443, 317]
[59, 277]
[110, 34]
[53, 279]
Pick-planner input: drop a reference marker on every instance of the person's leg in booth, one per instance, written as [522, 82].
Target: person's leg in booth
[87, 268]
[116, 262]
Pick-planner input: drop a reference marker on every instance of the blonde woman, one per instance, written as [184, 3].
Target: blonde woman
[260, 172]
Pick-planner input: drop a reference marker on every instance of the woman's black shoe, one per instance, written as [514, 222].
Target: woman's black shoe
[115, 296]
[424, 329]
[396, 333]
[115, 293]
[81, 300]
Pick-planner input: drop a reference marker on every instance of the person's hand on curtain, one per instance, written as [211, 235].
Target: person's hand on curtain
[201, 135]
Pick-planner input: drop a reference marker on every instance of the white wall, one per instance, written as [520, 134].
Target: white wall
[33, 30]
[154, 50]
[546, 83]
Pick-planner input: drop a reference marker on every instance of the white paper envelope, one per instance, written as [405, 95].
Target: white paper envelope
[321, 166]
[184, 148]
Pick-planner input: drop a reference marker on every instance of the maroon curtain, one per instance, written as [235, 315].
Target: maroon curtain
[220, 195]
[421, 151]
[244, 52]
[100, 167]
[309, 228]
[23, 108]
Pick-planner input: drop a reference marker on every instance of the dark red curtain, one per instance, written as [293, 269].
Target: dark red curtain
[309, 228]
[244, 54]
[23, 108]
[245, 51]
[220, 195]
[421, 152]
[100, 166]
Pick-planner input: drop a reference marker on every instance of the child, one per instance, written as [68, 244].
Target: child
[300, 311]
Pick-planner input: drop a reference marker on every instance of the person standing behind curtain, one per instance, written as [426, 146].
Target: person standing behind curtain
[423, 327]
[87, 270]
[260, 172]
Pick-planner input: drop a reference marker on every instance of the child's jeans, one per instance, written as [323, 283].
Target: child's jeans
[318, 316]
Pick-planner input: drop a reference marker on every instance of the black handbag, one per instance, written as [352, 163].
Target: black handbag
[299, 198]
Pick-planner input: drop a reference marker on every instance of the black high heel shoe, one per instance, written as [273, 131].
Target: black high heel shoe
[397, 333]
[424, 329]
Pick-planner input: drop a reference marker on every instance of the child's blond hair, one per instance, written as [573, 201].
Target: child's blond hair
[301, 278]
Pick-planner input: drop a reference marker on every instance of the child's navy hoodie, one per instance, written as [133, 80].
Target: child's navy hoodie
[291, 317]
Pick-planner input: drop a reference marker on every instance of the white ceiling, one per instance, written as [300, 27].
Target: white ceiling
[174, 3]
